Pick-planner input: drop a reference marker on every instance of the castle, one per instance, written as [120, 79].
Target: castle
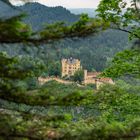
[70, 66]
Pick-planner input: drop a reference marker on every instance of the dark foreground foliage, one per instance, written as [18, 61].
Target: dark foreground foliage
[117, 115]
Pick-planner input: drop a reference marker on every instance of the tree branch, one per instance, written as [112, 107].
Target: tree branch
[21, 136]
[47, 40]
[127, 31]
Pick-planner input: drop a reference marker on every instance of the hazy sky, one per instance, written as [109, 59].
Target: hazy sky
[72, 3]
[67, 3]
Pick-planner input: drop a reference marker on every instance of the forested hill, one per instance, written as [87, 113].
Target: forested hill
[77, 11]
[38, 14]
[6, 11]
[94, 51]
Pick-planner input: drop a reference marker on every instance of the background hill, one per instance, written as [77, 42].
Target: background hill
[6, 11]
[91, 12]
[95, 52]
[39, 14]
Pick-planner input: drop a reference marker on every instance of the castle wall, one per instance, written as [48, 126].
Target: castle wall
[47, 79]
[100, 83]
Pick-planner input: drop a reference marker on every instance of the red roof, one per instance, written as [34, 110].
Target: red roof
[105, 79]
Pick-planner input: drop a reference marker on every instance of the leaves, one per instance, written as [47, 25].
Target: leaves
[13, 29]
[11, 69]
[121, 16]
[83, 27]
[118, 116]
[78, 76]
[125, 63]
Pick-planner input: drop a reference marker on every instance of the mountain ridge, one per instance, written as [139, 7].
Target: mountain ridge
[34, 11]
[50, 14]
[93, 51]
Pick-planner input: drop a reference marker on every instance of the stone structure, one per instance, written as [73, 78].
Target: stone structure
[90, 77]
[43, 80]
[70, 66]
[102, 81]
[93, 78]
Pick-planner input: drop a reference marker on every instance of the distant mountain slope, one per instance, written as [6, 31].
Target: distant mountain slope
[91, 12]
[6, 11]
[39, 14]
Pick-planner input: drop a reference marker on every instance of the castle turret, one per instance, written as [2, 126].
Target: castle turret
[85, 76]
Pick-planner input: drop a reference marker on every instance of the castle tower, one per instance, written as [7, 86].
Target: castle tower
[85, 76]
[70, 66]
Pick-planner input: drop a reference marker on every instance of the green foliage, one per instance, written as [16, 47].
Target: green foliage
[54, 69]
[120, 15]
[52, 93]
[13, 29]
[125, 63]
[14, 70]
[54, 31]
[82, 49]
[34, 65]
[31, 83]
[78, 76]
[84, 26]
[115, 103]
[117, 118]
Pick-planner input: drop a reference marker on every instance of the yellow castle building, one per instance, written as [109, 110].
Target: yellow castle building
[70, 66]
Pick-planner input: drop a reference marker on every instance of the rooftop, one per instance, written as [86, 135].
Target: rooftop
[94, 74]
[105, 79]
[71, 61]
